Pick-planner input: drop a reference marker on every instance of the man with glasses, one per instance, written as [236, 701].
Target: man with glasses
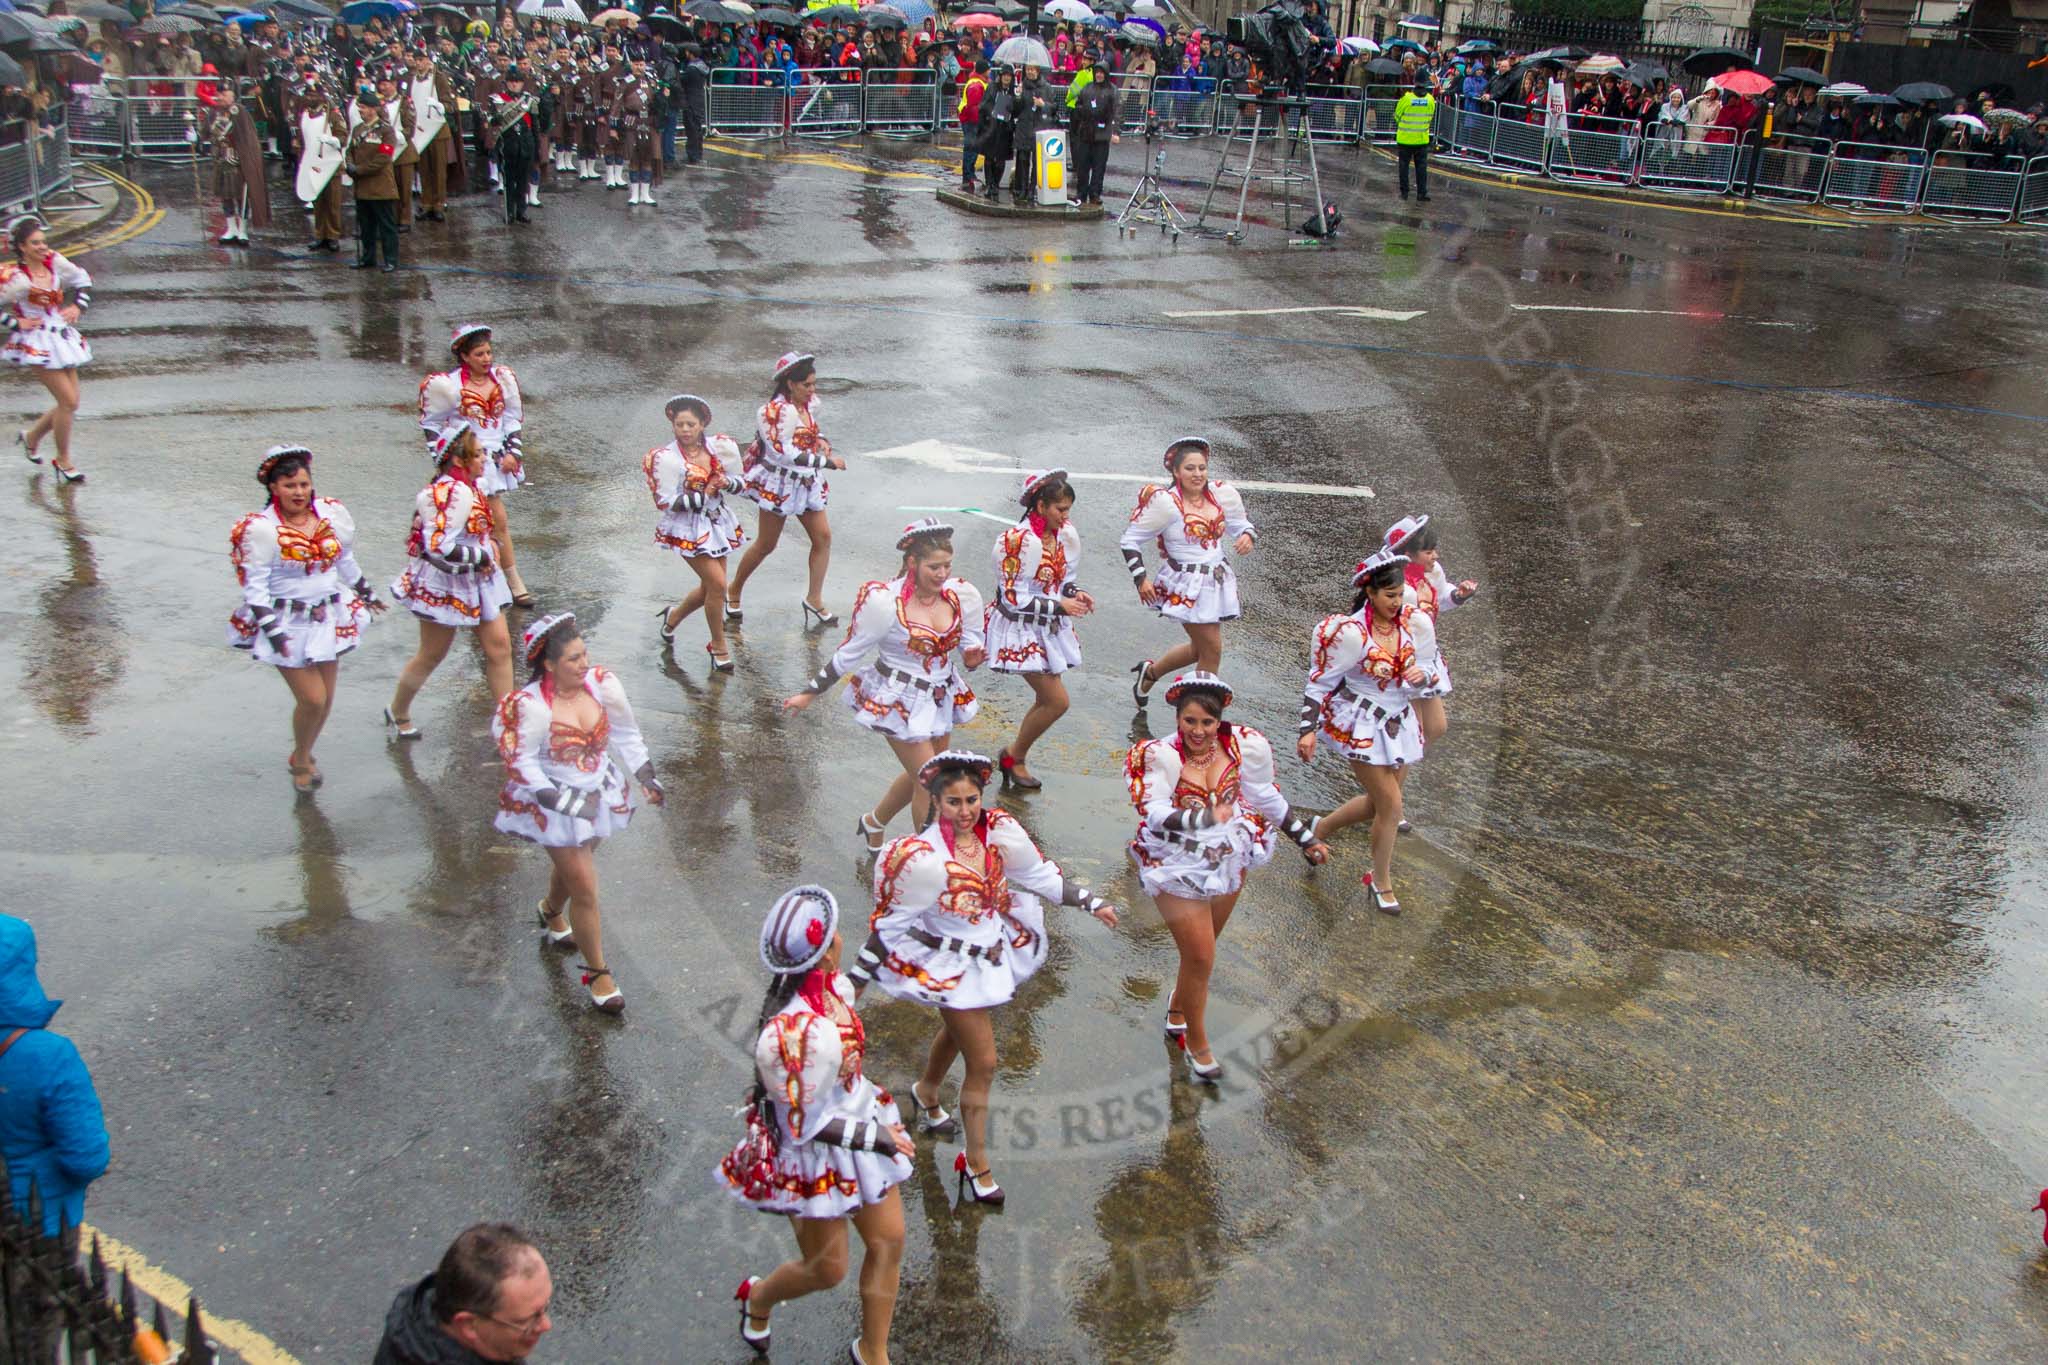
[486, 1302]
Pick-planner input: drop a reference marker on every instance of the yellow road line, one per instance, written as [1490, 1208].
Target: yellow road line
[167, 1289]
[146, 216]
[831, 163]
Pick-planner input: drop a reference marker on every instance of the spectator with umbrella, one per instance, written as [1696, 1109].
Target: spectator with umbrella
[998, 130]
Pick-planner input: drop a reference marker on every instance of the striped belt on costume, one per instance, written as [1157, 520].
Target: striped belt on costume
[1214, 572]
[912, 680]
[315, 610]
[993, 951]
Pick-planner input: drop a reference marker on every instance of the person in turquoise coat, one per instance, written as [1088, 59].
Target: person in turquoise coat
[51, 1128]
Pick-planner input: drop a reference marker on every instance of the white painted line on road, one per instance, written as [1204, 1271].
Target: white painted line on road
[965, 512]
[948, 458]
[1703, 314]
[1347, 310]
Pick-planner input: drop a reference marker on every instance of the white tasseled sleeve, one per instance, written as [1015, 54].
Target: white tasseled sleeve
[521, 729]
[626, 737]
[1153, 768]
[797, 1056]
[1023, 864]
[1235, 522]
[874, 614]
[252, 549]
[1256, 784]
[664, 469]
[345, 568]
[973, 615]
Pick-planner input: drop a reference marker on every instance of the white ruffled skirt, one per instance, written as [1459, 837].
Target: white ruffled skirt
[1211, 863]
[711, 534]
[787, 492]
[431, 593]
[309, 639]
[1198, 594]
[909, 710]
[1018, 647]
[493, 481]
[519, 814]
[1382, 731]
[813, 1179]
[52, 346]
[913, 970]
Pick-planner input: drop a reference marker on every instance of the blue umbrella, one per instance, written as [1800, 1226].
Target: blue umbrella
[246, 20]
[1403, 45]
[1421, 23]
[363, 11]
[916, 11]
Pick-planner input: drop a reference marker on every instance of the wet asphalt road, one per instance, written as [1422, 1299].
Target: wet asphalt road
[1712, 1027]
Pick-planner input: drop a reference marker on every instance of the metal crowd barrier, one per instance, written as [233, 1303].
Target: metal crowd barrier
[1334, 113]
[1378, 115]
[1971, 186]
[900, 101]
[1133, 100]
[2034, 191]
[1793, 169]
[17, 167]
[745, 111]
[1516, 141]
[1186, 109]
[98, 116]
[1868, 177]
[163, 116]
[1598, 150]
[828, 104]
[1688, 167]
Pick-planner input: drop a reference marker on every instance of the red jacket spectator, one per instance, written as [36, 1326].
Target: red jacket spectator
[1733, 121]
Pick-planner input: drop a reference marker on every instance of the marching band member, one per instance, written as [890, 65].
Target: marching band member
[689, 478]
[451, 581]
[431, 89]
[786, 478]
[238, 180]
[1195, 586]
[1365, 670]
[42, 334]
[824, 1144]
[403, 117]
[959, 923]
[304, 598]
[1208, 812]
[638, 140]
[563, 789]
[909, 687]
[1030, 622]
[318, 117]
[485, 396]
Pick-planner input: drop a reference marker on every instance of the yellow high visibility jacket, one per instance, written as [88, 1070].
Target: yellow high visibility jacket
[1413, 115]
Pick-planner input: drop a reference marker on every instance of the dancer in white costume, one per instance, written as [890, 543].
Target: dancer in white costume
[564, 789]
[43, 334]
[785, 476]
[907, 650]
[1031, 616]
[689, 479]
[959, 924]
[1189, 522]
[824, 1145]
[304, 598]
[486, 395]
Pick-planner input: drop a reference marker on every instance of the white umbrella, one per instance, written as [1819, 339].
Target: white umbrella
[1022, 51]
[564, 12]
[1151, 9]
[1844, 90]
[1421, 23]
[1072, 10]
[1970, 121]
[1600, 64]
[1355, 45]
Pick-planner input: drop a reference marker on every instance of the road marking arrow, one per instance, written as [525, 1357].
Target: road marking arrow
[947, 458]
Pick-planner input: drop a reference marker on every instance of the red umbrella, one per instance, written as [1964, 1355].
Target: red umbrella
[979, 21]
[1744, 82]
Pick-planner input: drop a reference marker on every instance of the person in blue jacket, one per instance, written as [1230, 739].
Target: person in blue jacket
[51, 1127]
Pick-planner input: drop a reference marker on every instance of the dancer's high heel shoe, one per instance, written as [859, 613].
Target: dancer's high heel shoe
[732, 612]
[302, 777]
[400, 729]
[1142, 684]
[21, 439]
[668, 632]
[69, 475]
[970, 1183]
[1381, 900]
[870, 831]
[1008, 765]
[1177, 1032]
[745, 1295]
[1207, 1075]
[718, 664]
[818, 616]
[564, 939]
[931, 1118]
[612, 1001]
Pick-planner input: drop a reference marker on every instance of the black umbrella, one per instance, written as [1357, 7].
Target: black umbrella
[772, 15]
[48, 42]
[1712, 61]
[1881, 101]
[713, 12]
[1923, 92]
[448, 12]
[661, 21]
[881, 16]
[1649, 72]
[98, 11]
[1383, 66]
[1477, 46]
[11, 72]
[1801, 75]
[1566, 54]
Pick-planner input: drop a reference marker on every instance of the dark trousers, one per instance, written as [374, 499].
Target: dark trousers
[1420, 156]
[1091, 160]
[513, 170]
[1024, 180]
[693, 136]
[970, 151]
[992, 171]
[377, 226]
[668, 138]
[434, 177]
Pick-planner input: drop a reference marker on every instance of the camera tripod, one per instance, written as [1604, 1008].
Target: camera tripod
[1284, 169]
[1148, 203]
